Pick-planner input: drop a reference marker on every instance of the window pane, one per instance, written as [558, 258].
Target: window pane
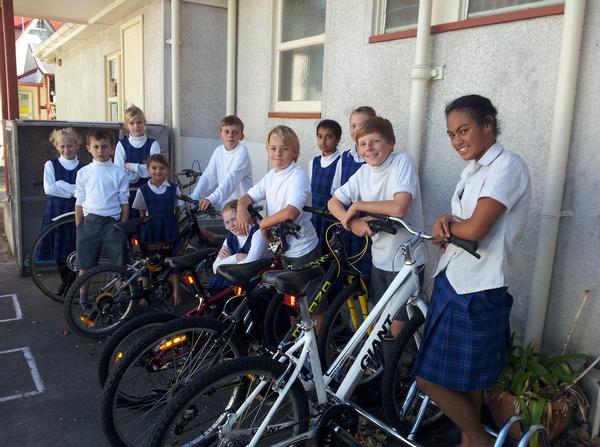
[25, 106]
[301, 74]
[113, 77]
[487, 5]
[113, 113]
[401, 13]
[302, 18]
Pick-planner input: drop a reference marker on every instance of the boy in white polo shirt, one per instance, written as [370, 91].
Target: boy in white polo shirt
[102, 198]
[286, 189]
[229, 170]
[388, 184]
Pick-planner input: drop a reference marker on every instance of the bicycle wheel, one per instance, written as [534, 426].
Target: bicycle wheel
[279, 318]
[343, 318]
[203, 413]
[108, 303]
[398, 377]
[156, 367]
[52, 264]
[124, 337]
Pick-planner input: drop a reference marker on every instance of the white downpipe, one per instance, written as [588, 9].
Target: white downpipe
[175, 75]
[230, 92]
[557, 166]
[420, 73]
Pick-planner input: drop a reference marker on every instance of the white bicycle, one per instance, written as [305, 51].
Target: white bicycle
[253, 401]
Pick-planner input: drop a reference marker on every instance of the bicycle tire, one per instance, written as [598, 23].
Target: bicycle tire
[337, 329]
[148, 377]
[397, 378]
[242, 372]
[124, 337]
[51, 278]
[109, 307]
[277, 321]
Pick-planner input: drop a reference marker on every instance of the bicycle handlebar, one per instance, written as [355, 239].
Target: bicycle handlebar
[190, 173]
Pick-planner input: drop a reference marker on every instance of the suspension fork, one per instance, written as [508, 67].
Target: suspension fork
[362, 301]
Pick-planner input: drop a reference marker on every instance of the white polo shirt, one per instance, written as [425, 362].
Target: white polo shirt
[289, 186]
[503, 176]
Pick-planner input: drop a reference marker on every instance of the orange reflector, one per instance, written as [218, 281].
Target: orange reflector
[238, 290]
[172, 342]
[85, 320]
[290, 300]
[188, 279]
[135, 242]
[118, 357]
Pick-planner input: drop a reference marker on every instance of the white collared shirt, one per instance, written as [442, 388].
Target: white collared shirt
[59, 188]
[101, 188]
[503, 176]
[375, 183]
[229, 171]
[138, 170]
[290, 186]
[325, 161]
[139, 203]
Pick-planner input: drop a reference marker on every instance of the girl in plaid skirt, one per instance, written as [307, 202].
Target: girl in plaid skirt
[467, 328]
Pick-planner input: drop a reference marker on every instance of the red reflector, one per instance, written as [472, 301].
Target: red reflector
[188, 279]
[290, 300]
[135, 242]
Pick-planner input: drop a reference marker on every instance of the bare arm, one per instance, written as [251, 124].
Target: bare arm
[289, 212]
[78, 215]
[244, 220]
[124, 212]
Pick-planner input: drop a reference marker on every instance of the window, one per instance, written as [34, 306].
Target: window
[25, 106]
[113, 87]
[400, 14]
[498, 6]
[298, 63]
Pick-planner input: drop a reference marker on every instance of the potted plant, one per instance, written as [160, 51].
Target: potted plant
[541, 387]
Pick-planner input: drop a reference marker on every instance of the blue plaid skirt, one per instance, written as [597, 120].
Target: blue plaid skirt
[466, 337]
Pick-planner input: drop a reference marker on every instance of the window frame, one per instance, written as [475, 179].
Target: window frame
[278, 48]
[109, 100]
[465, 8]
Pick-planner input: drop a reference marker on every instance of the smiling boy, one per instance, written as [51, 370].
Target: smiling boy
[229, 168]
[387, 184]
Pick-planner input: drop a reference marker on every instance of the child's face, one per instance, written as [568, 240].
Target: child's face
[327, 140]
[66, 147]
[231, 136]
[374, 148]
[357, 120]
[136, 126]
[469, 138]
[158, 172]
[230, 220]
[280, 154]
[101, 150]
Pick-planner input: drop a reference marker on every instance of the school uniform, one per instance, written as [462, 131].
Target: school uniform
[320, 172]
[135, 150]
[467, 330]
[290, 186]
[101, 188]
[253, 244]
[59, 184]
[349, 163]
[160, 202]
[229, 173]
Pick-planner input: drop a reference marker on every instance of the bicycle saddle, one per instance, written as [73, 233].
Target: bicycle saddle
[213, 239]
[190, 261]
[241, 274]
[131, 227]
[292, 282]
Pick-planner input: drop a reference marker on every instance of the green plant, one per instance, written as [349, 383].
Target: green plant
[543, 384]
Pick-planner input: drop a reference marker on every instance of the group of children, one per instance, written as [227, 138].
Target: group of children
[467, 327]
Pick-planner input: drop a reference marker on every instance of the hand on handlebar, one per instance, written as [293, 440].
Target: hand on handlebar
[360, 226]
[243, 221]
[203, 204]
[441, 230]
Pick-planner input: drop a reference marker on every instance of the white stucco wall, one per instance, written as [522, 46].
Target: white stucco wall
[515, 64]
[80, 80]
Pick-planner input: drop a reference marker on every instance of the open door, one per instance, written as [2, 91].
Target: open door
[132, 45]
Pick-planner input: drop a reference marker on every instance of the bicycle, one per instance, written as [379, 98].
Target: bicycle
[252, 410]
[113, 291]
[163, 360]
[54, 269]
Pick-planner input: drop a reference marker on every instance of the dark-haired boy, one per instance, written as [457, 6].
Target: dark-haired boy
[229, 171]
[102, 198]
[321, 170]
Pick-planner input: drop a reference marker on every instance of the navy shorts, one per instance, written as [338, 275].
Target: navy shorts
[466, 337]
[97, 234]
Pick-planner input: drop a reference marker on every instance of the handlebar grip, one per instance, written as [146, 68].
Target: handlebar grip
[289, 225]
[186, 198]
[320, 211]
[378, 225]
[466, 245]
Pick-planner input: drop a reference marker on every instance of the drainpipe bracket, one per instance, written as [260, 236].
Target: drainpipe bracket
[169, 41]
[427, 72]
[564, 213]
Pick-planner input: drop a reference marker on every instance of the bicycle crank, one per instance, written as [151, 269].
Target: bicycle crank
[337, 426]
